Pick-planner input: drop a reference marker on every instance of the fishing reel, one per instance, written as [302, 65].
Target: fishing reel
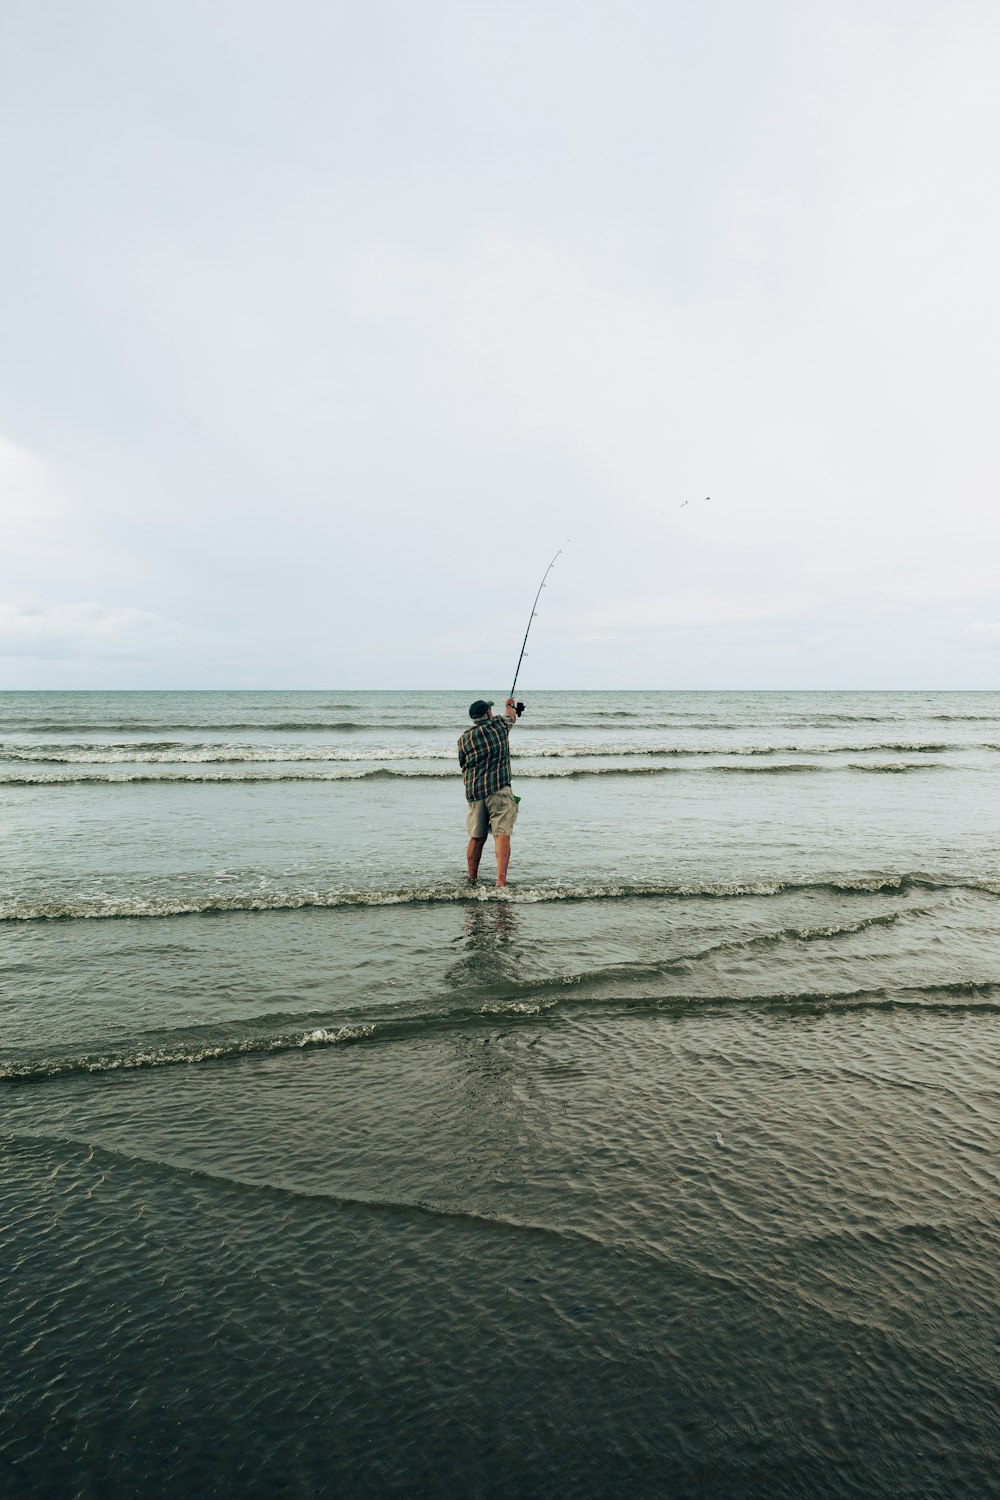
[519, 709]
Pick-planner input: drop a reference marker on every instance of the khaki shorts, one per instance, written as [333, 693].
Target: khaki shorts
[497, 813]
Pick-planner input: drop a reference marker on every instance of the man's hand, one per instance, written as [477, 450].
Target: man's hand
[510, 709]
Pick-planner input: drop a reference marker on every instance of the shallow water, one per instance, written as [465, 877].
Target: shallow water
[672, 1171]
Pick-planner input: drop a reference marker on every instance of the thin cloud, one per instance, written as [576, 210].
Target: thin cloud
[980, 637]
[86, 629]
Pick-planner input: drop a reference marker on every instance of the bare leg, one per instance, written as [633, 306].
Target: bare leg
[473, 854]
[502, 841]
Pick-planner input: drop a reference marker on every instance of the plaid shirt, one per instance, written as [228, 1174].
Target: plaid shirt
[484, 756]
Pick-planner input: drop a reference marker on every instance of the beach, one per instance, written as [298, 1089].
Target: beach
[670, 1171]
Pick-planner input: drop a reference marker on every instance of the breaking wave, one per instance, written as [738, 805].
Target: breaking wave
[163, 726]
[896, 766]
[165, 753]
[765, 770]
[187, 753]
[284, 1034]
[388, 773]
[384, 773]
[214, 778]
[211, 904]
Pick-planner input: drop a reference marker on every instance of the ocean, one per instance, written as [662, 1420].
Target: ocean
[671, 1171]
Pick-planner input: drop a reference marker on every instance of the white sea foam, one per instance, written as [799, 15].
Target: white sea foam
[15, 909]
[322, 1036]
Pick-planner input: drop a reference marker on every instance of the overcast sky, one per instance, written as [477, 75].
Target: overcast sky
[325, 324]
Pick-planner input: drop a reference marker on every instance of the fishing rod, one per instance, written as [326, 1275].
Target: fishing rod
[519, 707]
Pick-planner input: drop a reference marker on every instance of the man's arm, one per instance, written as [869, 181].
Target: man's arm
[510, 713]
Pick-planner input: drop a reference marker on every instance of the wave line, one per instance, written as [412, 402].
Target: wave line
[116, 907]
[979, 996]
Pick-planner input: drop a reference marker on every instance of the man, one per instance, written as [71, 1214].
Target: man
[484, 756]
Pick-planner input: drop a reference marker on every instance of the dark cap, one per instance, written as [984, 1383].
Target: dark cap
[480, 708]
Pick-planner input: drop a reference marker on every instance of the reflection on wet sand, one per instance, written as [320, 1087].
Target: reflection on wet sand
[491, 953]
